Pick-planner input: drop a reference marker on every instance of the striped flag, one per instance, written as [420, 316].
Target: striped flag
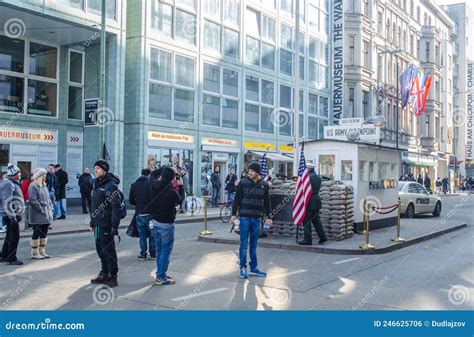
[303, 191]
[264, 167]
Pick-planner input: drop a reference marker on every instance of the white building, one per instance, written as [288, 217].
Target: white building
[381, 39]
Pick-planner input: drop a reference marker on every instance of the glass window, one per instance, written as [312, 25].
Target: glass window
[183, 105]
[268, 56]
[301, 123]
[212, 9]
[184, 71]
[302, 68]
[284, 122]
[268, 92]
[231, 43]
[162, 18]
[211, 78]
[251, 117]
[160, 101]
[211, 113]
[160, 65]
[252, 22]
[266, 120]
[312, 104]
[11, 93]
[231, 82]
[312, 127]
[285, 97]
[42, 98]
[363, 171]
[251, 88]
[191, 4]
[327, 165]
[312, 48]
[312, 72]
[79, 4]
[75, 67]
[12, 54]
[286, 37]
[75, 103]
[43, 60]
[287, 6]
[323, 106]
[252, 51]
[95, 6]
[185, 27]
[286, 62]
[346, 169]
[384, 170]
[322, 124]
[232, 12]
[313, 17]
[230, 113]
[212, 36]
[372, 172]
[268, 28]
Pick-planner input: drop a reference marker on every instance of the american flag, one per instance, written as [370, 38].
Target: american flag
[264, 167]
[303, 192]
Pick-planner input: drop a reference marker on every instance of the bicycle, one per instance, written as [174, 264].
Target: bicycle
[226, 212]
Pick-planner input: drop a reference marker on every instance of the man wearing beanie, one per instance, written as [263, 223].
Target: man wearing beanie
[11, 210]
[105, 220]
[61, 193]
[164, 200]
[252, 200]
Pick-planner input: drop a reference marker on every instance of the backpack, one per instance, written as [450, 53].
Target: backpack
[123, 203]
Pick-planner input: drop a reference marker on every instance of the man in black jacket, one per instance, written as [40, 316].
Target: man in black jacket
[85, 187]
[139, 197]
[164, 200]
[105, 220]
[52, 184]
[61, 192]
[252, 200]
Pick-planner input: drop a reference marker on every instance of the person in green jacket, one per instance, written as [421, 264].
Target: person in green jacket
[312, 211]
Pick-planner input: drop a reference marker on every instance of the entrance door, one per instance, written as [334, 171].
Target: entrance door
[223, 172]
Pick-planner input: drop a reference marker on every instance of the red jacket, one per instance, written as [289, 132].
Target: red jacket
[24, 188]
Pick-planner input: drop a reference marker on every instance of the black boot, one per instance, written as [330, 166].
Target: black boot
[101, 278]
[111, 281]
[305, 243]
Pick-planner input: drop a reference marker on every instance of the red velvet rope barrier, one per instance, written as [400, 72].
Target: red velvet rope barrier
[392, 208]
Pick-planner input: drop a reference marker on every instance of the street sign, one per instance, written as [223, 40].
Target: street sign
[91, 105]
[367, 132]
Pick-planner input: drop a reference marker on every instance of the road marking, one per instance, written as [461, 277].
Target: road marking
[348, 260]
[202, 293]
[288, 274]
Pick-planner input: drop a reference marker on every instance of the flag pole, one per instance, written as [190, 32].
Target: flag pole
[296, 106]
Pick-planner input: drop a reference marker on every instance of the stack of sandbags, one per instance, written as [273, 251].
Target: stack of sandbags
[282, 196]
[337, 212]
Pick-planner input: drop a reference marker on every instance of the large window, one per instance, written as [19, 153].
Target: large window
[95, 6]
[172, 86]
[76, 84]
[285, 112]
[220, 106]
[259, 104]
[260, 40]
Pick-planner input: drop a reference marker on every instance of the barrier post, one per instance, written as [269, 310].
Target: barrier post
[205, 231]
[366, 245]
[398, 238]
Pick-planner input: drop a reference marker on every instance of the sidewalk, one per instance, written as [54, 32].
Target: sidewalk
[77, 222]
[412, 230]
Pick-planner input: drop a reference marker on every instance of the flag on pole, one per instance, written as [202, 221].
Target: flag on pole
[426, 85]
[264, 167]
[303, 191]
[417, 96]
[406, 84]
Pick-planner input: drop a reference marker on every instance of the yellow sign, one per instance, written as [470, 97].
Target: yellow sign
[286, 148]
[173, 137]
[259, 146]
[218, 141]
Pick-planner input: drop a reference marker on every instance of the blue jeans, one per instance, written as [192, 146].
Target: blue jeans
[215, 195]
[249, 227]
[163, 233]
[58, 207]
[144, 231]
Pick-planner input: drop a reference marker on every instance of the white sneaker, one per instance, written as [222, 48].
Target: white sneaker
[3, 230]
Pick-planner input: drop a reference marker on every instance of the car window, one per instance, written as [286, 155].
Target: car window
[413, 188]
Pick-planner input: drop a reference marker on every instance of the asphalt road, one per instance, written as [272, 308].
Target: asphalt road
[436, 274]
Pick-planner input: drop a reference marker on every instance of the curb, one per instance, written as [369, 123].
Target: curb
[24, 234]
[339, 251]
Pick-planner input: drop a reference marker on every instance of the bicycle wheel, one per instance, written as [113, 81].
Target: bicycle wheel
[226, 213]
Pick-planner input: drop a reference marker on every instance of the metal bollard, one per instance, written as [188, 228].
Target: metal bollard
[398, 238]
[205, 231]
[366, 245]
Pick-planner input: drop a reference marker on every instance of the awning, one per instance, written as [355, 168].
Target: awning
[417, 163]
[274, 156]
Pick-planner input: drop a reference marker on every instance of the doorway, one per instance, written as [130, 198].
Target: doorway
[223, 173]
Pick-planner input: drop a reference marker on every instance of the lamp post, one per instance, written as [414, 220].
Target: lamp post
[102, 90]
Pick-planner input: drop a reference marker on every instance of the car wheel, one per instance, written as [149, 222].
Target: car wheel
[410, 212]
[437, 210]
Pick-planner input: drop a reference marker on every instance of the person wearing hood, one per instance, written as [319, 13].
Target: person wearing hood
[164, 200]
[40, 211]
[11, 209]
[141, 200]
[105, 220]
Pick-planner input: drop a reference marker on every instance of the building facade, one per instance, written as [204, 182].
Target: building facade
[381, 39]
[463, 58]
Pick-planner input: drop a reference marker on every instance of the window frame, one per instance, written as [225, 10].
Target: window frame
[75, 84]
